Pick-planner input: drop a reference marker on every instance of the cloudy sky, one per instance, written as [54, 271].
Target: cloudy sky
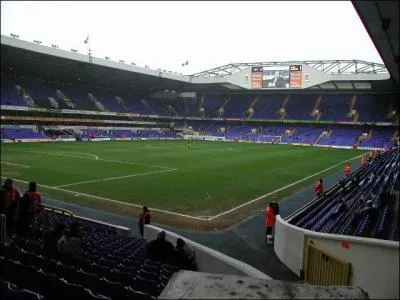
[207, 34]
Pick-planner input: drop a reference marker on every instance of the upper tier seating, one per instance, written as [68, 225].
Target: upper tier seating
[333, 107]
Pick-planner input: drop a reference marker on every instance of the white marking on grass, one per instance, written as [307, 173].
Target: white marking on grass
[282, 188]
[115, 178]
[84, 154]
[114, 201]
[98, 159]
[17, 165]
[184, 148]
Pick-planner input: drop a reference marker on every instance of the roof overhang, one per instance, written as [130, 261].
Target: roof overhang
[381, 20]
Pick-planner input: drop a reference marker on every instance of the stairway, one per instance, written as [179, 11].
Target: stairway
[369, 134]
[251, 109]
[395, 136]
[282, 110]
[185, 100]
[121, 102]
[221, 110]
[355, 119]
[324, 133]
[314, 112]
[201, 107]
[353, 102]
[255, 101]
[226, 101]
[169, 108]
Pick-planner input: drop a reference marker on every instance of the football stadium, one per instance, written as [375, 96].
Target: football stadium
[129, 161]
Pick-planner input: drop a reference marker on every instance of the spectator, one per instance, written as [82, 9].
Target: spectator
[363, 161]
[160, 249]
[70, 242]
[270, 219]
[30, 206]
[144, 218]
[185, 256]
[347, 170]
[319, 188]
[52, 241]
[9, 197]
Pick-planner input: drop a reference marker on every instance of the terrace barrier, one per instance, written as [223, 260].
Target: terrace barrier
[374, 262]
[208, 260]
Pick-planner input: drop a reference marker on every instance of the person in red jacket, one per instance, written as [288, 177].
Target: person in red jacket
[319, 187]
[9, 197]
[270, 219]
[363, 161]
[30, 206]
[347, 169]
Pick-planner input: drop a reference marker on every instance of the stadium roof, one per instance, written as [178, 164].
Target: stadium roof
[381, 20]
[327, 66]
[23, 58]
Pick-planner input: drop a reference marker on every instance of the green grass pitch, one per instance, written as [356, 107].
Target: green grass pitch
[166, 174]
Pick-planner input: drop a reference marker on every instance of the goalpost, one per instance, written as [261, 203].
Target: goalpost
[271, 139]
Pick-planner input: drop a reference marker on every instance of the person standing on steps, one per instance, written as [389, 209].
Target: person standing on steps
[144, 218]
[319, 188]
[270, 219]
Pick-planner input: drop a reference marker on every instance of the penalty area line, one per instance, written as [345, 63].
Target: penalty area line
[96, 158]
[114, 201]
[115, 178]
[282, 188]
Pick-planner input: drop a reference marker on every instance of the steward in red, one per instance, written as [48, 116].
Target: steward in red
[9, 198]
[270, 219]
[319, 187]
[144, 218]
[347, 170]
[363, 161]
[30, 206]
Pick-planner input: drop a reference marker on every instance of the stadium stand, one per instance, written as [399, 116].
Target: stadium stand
[361, 205]
[332, 107]
[113, 266]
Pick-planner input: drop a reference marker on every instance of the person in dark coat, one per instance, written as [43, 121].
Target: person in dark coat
[30, 206]
[160, 249]
[144, 218]
[185, 257]
[9, 198]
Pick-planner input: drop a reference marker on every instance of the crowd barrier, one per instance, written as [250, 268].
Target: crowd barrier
[207, 259]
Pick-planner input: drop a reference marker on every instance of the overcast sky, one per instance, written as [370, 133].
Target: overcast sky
[207, 34]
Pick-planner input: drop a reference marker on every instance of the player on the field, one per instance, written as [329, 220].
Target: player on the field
[188, 144]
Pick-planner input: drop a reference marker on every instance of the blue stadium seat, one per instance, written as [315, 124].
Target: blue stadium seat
[90, 281]
[10, 292]
[114, 290]
[122, 277]
[147, 286]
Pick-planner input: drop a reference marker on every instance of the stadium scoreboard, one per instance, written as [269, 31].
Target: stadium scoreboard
[277, 77]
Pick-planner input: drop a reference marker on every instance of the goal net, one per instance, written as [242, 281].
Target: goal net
[272, 139]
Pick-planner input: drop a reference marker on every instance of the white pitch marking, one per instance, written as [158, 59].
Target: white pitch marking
[115, 201]
[114, 178]
[87, 154]
[98, 159]
[281, 189]
[18, 165]
[191, 149]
